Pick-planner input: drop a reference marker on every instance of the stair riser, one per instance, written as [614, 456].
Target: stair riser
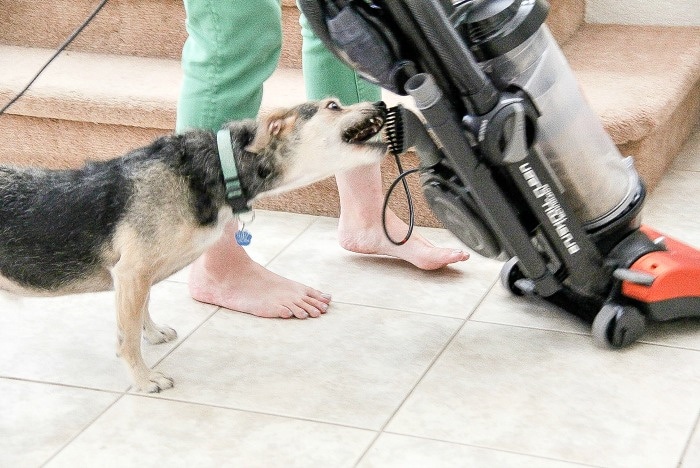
[61, 144]
[144, 28]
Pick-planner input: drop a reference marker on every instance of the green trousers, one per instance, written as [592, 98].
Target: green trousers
[233, 46]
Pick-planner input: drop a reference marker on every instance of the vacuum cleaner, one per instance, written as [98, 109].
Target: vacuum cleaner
[513, 161]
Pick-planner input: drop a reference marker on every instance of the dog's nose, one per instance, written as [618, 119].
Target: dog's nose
[381, 108]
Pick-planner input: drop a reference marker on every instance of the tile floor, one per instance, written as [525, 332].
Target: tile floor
[407, 368]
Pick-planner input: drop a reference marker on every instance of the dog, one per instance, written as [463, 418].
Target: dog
[129, 222]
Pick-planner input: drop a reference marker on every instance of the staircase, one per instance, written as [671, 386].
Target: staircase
[116, 87]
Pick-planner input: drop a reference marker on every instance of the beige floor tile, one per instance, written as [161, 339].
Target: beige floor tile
[352, 366]
[684, 333]
[399, 451]
[553, 395]
[500, 306]
[316, 259]
[38, 419]
[71, 339]
[688, 158]
[692, 455]
[147, 432]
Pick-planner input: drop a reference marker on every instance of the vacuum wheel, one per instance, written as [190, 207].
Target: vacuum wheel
[510, 274]
[617, 326]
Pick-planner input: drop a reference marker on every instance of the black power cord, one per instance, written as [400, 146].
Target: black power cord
[409, 200]
[394, 135]
[60, 49]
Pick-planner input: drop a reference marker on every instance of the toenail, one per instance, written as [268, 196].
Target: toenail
[326, 296]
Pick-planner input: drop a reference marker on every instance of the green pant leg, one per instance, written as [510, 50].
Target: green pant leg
[233, 46]
[325, 75]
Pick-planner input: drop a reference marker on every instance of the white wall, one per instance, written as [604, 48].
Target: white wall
[663, 12]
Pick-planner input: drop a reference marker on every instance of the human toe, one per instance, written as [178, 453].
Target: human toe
[313, 307]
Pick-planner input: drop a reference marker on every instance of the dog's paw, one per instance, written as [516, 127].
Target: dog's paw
[159, 334]
[155, 382]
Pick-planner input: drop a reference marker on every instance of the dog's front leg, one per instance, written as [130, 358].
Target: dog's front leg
[154, 333]
[132, 290]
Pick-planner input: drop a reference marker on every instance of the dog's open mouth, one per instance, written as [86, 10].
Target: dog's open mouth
[363, 131]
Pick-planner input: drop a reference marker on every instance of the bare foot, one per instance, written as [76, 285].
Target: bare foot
[358, 236]
[226, 276]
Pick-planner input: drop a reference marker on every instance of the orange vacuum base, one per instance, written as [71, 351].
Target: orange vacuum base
[675, 290]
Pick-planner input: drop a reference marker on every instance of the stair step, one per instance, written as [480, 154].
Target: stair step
[99, 88]
[112, 89]
[634, 76]
[153, 28]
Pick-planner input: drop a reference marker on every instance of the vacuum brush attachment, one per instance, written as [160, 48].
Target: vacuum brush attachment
[403, 130]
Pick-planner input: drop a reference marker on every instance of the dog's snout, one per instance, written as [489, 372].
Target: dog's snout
[381, 109]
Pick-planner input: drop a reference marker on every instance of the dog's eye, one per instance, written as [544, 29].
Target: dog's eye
[264, 171]
[332, 105]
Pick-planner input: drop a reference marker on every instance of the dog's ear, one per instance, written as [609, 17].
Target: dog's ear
[275, 125]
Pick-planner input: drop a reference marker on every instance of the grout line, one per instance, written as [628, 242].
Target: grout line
[422, 376]
[392, 309]
[686, 448]
[164, 397]
[485, 447]
[85, 427]
[409, 311]
[494, 284]
[60, 384]
[585, 334]
[184, 338]
[314, 220]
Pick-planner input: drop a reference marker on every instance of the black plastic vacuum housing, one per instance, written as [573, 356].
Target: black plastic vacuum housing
[513, 160]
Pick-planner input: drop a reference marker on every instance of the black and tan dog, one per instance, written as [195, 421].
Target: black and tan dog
[130, 222]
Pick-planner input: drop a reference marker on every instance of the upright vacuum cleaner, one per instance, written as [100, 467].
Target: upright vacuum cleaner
[512, 159]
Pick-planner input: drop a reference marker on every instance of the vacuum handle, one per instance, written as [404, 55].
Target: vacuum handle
[459, 62]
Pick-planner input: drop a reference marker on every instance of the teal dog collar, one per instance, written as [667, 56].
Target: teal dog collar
[235, 195]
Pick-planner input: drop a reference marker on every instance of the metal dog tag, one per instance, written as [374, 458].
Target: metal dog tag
[242, 236]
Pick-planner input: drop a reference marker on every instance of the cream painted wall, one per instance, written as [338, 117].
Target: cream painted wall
[663, 12]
